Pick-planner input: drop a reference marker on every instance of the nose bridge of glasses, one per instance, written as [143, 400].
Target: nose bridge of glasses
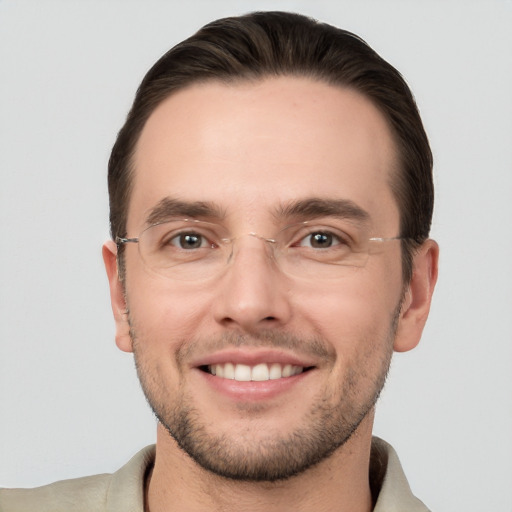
[264, 238]
[242, 243]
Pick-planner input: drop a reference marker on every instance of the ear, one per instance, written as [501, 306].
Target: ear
[117, 297]
[418, 296]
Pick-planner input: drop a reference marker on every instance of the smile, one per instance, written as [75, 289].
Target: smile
[258, 373]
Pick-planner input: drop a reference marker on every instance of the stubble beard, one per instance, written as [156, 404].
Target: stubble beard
[246, 456]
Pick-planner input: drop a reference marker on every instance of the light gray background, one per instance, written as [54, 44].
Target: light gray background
[70, 404]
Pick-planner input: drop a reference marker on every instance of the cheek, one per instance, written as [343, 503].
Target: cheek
[359, 327]
[352, 303]
[353, 313]
[164, 315]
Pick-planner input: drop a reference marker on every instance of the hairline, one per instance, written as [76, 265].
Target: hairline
[394, 172]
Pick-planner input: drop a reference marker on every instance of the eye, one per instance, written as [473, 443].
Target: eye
[321, 240]
[188, 241]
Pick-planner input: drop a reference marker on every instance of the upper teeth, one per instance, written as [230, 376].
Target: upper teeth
[260, 372]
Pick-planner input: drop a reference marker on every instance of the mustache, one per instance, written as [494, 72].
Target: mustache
[314, 346]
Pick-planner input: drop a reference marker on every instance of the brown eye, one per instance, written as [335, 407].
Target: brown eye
[320, 240]
[189, 241]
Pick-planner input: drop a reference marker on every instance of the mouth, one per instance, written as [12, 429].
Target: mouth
[257, 373]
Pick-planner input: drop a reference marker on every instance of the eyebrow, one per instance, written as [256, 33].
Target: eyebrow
[302, 209]
[312, 208]
[169, 208]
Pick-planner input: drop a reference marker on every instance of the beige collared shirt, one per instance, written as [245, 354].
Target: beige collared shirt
[123, 491]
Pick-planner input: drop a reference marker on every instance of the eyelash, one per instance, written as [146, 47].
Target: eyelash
[337, 239]
[168, 240]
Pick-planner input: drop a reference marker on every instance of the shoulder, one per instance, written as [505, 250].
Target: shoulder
[87, 493]
[122, 490]
[390, 488]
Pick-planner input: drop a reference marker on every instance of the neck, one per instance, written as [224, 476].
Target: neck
[339, 483]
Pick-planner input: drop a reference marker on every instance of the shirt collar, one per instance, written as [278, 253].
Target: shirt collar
[390, 489]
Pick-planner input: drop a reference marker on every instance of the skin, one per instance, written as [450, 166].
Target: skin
[247, 149]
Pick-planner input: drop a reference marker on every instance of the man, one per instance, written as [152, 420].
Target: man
[271, 197]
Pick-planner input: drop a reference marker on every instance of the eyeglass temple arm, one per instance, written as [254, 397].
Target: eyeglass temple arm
[120, 240]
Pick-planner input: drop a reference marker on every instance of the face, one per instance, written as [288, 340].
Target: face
[255, 158]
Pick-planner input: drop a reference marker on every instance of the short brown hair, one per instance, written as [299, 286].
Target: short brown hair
[265, 44]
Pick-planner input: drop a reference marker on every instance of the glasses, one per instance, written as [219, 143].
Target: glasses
[189, 249]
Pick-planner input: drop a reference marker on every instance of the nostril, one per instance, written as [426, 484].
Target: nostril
[269, 318]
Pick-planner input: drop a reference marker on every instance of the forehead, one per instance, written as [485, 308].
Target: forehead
[252, 146]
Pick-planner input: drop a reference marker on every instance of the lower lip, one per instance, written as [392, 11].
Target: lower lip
[253, 391]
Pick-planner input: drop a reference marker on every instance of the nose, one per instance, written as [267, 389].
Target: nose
[252, 294]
